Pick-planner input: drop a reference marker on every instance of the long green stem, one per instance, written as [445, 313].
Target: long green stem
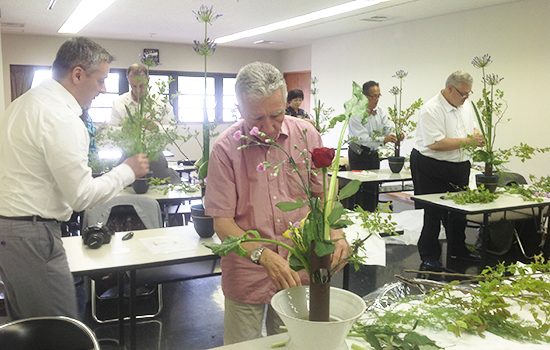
[329, 200]
[205, 122]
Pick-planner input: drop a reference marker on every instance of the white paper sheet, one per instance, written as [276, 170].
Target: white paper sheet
[167, 244]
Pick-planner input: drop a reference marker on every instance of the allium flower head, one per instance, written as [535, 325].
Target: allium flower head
[400, 74]
[314, 80]
[206, 14]
[492, 79]
[205, 49]
[482, 61]
[394, 90]
[314, 91]
[148, 61]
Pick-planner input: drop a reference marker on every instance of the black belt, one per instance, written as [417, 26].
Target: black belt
[26, 218]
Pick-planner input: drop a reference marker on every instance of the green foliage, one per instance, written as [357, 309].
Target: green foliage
[392, 337]
[477, 195]
[100, 166]
[321, 113]
[489, 110]
[485, 308]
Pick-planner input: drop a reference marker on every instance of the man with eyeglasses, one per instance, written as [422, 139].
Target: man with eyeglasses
[363, 152]
[439, 165]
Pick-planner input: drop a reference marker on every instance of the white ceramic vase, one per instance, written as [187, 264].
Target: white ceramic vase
[292, 305]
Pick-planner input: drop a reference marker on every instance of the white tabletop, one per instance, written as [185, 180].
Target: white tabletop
[381, 175]
[159, 195]
[505, 201]
[181, 243]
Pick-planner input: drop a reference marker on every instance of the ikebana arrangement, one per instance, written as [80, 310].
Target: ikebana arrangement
[490, 109]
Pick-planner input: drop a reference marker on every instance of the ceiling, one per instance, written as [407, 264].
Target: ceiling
[173, 20]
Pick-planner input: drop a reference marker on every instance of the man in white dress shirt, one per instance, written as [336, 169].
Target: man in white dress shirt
[439, 164]
[45, 177]
[138, 80]
[363, 154]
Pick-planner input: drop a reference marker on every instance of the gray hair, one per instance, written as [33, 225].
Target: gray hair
[257, 81]
[79, 52]
[459, 77]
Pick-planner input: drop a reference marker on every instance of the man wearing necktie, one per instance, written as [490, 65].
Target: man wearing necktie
[363, 152]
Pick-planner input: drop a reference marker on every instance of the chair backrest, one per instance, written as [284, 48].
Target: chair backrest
[508, 178]
[46, 333]
[120, 213]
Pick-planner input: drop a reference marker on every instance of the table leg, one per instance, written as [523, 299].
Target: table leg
[345, 277]
[120, 278]
[133, 335]
[484, 240]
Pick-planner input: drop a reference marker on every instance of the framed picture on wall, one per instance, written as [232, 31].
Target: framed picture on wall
[152, 54]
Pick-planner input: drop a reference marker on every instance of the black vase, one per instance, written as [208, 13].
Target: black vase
[204, 225]
[396, 164]
[490, 182]
[141, 185]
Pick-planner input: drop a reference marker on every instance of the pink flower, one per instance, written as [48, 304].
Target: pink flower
[254, 131]
[261, 167]
[237, 135]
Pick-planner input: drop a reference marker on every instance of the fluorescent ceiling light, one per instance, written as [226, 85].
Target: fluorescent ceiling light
[310, 17]
[84, 13]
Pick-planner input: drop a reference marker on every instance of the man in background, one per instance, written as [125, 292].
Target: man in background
[363, 152]
[45, 177]
[439, 165]
[138, 81]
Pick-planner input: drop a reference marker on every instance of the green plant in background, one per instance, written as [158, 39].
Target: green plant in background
[322, 114]
[206, 48]
[489, 110]
[143, 131]
[476, 195]
[401, 119]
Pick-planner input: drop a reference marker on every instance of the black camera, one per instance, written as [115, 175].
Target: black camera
[97, 235]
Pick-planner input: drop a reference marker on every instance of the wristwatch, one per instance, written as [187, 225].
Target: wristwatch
[256, 255]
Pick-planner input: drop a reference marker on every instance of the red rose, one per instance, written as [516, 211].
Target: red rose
[322, 157]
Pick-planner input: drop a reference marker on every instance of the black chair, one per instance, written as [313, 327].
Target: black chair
[47, 333]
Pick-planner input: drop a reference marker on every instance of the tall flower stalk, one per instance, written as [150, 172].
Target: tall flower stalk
[489, 110]
[206, 48]
[402, 124]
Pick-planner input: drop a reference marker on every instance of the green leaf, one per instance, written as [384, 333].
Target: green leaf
[341, 224]
[336, 213]
[289, 206]
[324, 248]
[373, 341]
[229, 245]
[349, 190]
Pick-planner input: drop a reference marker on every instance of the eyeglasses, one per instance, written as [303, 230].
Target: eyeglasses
[374, 96]
[462, 94]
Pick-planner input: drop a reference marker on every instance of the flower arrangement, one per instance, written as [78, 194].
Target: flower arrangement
[311, 236]
[489, 110]
[401, 119]
[322, 114]
[206, 48]
[139, 131]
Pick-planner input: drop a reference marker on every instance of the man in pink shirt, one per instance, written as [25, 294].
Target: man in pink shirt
[241, 198]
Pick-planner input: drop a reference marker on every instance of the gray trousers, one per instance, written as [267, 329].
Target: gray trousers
[244, 322]
[35, 271]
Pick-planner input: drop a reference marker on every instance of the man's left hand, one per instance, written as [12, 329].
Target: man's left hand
[342, 250]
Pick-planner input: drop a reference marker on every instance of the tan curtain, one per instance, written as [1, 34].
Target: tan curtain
[21, 79]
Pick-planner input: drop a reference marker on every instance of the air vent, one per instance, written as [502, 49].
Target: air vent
[378, 19]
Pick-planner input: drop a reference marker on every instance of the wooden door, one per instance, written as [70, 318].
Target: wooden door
[302, 81]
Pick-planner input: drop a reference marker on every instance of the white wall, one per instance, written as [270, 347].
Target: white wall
[515, 35]
[2, 105]
[296, 60]
[41, 50]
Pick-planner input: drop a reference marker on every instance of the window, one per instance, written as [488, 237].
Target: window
[188, 106]
[100, 110]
